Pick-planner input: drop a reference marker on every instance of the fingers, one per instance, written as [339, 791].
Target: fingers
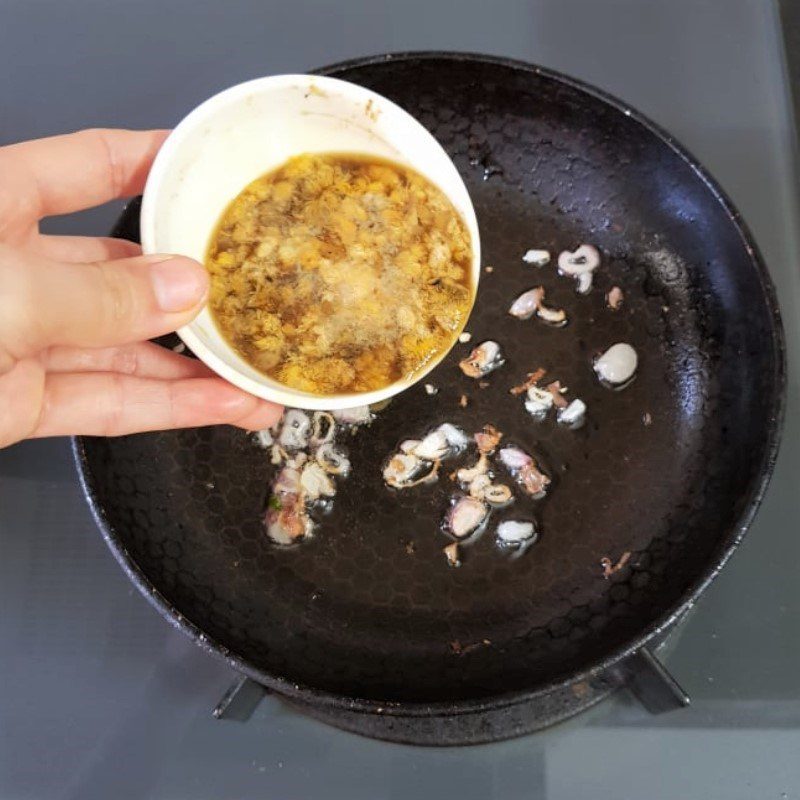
[103, 404]
[22, 393]
[68, 173]
[153, 389]
[144, 359]
[43, 303]
[82, 249]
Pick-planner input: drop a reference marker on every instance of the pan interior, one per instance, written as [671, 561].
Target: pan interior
[369, 607]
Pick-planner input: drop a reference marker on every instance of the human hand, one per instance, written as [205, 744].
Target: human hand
[75, 312]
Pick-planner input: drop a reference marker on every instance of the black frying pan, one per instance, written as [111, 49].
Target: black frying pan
[358, 619]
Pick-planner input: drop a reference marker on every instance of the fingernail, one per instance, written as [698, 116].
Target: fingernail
[178, 283]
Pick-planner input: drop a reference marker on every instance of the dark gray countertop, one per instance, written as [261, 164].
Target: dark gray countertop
[100, 698]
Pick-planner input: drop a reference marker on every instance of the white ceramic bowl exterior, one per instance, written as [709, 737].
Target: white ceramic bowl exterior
[248, 130]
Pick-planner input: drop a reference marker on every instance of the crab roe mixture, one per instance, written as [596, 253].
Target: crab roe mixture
[340, 273]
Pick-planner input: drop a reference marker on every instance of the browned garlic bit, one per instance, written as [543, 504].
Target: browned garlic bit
[516, 536]
[557, 390]
[574, 415]
[616, 367]
[286, 519]
[615, 298]
[532, 302]
[532, 379]
[539, 258]
[608, 569]
[419, 460]
[485, 358]
[405, 470]
[466, 517]
[647, 419]
[466, 475]
[497, 495]
[526, 304]
[323, 428]
[444, 442]
[333, 461]
[315, 482]
[358, 415]
[464, 337]
[463, 401]
[477, 480]
[305, 449]
[451, 553]
[470, 511]
[478, 485]
[488, 439]
[462, 649]
[580, 265]
[525, 471]
[430, 389]
[538, 402]
[488, 269]
[552, 316]
[295, 430]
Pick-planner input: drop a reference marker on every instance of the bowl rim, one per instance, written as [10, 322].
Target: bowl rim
[267, 388]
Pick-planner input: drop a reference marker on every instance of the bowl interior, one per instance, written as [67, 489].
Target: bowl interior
[250, 129]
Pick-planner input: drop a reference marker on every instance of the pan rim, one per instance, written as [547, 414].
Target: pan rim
[753, 498]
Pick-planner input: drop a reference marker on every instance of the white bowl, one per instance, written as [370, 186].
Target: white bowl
[245, 131]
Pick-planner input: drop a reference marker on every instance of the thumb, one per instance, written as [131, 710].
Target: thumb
[43, 302]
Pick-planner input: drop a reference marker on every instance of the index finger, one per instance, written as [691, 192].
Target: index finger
[61, 174]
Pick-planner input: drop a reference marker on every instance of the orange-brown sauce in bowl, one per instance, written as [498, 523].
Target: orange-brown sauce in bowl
[337, 273]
